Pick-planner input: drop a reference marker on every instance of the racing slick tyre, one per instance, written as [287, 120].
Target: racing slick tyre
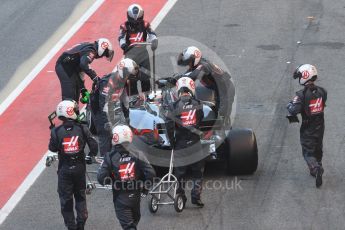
[179, 203]
[89, 120]
[153, 206]
[242, 152]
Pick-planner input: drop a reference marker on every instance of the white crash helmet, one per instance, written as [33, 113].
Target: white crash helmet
[185, 84]
[135, 13]
[127, 68]
[305, 73]
[121, 134]
[105, 48]
[67, 109]
[189, 56]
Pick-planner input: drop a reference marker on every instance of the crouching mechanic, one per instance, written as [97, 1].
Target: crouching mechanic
[136, 30]
[310, 103]
[109, 102]
[211, 76]
[69, 140]
[129, 171]
[116, 94]
[74, 63]
[184, 118]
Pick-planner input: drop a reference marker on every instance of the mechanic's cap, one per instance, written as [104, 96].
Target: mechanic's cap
[121, 134]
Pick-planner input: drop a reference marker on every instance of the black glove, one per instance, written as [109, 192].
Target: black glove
[154, 44]
[171, 80]
[88, 160]
[108, 126]
[124, 47]
[292, 118]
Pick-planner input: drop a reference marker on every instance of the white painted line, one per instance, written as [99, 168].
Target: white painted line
[162, 13]
[31, 76]
[21, 190]
[40, 166]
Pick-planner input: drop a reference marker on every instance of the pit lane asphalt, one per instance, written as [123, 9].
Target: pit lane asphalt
[256, 41]
[28, 30]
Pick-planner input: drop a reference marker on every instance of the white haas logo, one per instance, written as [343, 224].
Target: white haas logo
[316, 106]
[127, 171]
[71, 145]
[188, 118]
[137, 37]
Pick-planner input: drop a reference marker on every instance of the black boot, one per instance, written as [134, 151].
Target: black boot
[318, 181]
[80, 226]
[197, 202]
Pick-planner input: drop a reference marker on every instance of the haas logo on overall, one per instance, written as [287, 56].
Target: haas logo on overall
[127, 171]
[316, 106]
[138, 37]
[71, 144]
[188, 118]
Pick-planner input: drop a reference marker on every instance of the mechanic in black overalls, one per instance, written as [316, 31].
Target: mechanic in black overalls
[69, 140]
[183, 121]
[73, 63]
[310, 102]
[137, 30]
[99, 116]
[211, 76]
[111, 93]
[129, 171]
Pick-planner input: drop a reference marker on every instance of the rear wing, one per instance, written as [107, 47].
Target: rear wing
[208, 125]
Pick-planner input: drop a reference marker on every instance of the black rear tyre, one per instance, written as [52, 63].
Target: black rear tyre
[242, 152]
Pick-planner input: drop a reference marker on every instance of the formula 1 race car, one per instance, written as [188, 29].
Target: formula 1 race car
[236, 147]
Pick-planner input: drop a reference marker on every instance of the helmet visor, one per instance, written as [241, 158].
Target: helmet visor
[134, 74]
[181, 61]
[110, 55]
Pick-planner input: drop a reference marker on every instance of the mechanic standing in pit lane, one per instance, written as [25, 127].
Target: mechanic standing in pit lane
[129, 171]
[183, 121]
[74, 63]
[137, 30]
[212, 77]
[310, 103]
[69, 140]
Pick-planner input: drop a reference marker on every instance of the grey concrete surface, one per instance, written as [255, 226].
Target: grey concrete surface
[258, 43]
[28, 30]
